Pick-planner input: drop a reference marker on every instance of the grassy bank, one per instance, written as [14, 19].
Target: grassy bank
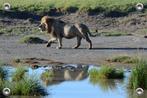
[21, 84]
[42, 6]
[138, 76]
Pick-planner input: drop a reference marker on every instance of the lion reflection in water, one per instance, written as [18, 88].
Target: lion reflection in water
[66, 73]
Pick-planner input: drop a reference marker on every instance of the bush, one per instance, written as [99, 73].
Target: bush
[138, 76]
[106, 72]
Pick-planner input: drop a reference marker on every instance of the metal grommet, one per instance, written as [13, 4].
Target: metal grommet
[139, 6]
[6, 91]
[7, 6]
[139, 91]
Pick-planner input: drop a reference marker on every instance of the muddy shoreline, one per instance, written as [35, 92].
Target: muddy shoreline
[103, 48]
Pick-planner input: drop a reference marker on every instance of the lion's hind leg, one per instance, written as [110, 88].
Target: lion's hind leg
[89, 41]
[78, 42]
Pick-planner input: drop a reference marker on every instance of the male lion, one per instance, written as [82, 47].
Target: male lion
[58, 29]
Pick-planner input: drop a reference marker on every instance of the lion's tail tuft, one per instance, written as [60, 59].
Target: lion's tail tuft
[93, 35]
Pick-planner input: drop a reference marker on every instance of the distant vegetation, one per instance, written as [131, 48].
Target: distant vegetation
[43, 6]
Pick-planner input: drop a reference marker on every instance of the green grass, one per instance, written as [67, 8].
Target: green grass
[106, 72]
[138, 76]
[32, 39]
[19, 73]
[41, 6]
[29, 86]
[123, 59]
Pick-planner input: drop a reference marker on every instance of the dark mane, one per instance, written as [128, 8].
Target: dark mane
[61, 21]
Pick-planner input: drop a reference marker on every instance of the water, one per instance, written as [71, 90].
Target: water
[82, 87]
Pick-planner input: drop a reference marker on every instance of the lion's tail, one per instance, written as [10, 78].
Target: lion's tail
[92, 35]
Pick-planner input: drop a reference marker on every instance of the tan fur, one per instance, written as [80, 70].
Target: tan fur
[58, 29]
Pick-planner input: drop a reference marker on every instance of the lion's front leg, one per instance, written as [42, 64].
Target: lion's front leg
[50, 42]
[60, 43]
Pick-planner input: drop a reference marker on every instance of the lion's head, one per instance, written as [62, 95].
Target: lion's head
[46, 24]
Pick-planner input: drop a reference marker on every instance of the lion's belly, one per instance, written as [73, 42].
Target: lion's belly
[69, 35]
[70, 31]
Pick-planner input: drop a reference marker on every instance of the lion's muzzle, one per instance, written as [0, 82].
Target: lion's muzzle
[42, 27]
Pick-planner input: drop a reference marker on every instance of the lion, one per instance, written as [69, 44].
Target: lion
[58, 29]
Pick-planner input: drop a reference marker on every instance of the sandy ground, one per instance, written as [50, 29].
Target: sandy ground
[103, 48]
